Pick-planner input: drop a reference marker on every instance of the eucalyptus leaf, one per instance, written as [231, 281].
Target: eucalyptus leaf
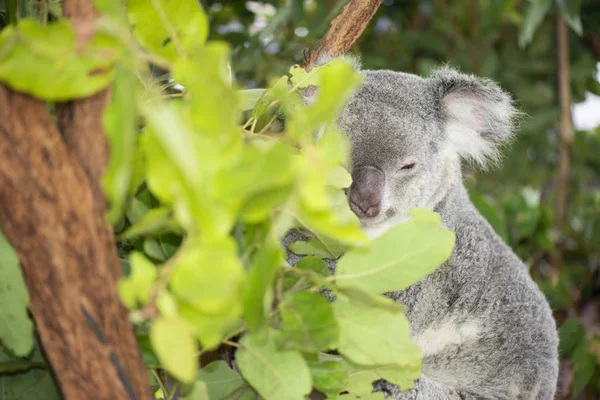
[168, 28]
[308, 322]
[398, 258]
[175, 346]
[374, 336]
[16, 329]
[275, 374]
[59, 61]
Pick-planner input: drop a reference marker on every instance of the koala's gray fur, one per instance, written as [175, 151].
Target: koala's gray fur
[485, 329]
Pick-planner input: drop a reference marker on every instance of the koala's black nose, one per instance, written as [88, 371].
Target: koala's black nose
[366, 191]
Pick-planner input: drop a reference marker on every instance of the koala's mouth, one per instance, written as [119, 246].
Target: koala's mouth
[379, 219]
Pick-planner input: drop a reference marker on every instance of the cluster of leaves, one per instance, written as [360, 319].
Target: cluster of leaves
[201, 199]
[513, 42]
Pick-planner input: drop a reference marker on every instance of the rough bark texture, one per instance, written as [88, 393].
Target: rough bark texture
[52, 210]
[343, 30]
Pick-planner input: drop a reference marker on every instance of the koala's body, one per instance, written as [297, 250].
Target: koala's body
[485, 329]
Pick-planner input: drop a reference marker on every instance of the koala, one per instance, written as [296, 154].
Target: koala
[485, 329]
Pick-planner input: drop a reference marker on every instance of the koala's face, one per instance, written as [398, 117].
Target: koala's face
[407, 135]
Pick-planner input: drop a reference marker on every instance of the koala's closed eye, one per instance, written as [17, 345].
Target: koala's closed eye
[407, 166]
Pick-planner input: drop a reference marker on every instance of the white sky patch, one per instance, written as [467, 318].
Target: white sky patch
[586, 115]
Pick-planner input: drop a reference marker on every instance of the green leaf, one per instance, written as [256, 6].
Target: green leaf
[244, 392]
[308, 323]
[168, 28]
[248, 98]
[220, 380]
[314, 271]
[32, 384]
[58, 61]
[585, 365]
[571, 333]
[374, 336]
[257, 170]
[175, 346]
[301, 78]
[361, 377]
[358, 295]
[534, 16]
[260, 277]
[275, 374]
[156, 220]
[208, 276]
[328, 377]
[135, 289]
[200, 391]
[398, 258]
[322, 247]
[16, 329]
[118, 122]
[570, 10]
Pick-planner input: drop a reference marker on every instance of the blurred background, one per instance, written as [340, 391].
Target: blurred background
[515, 43]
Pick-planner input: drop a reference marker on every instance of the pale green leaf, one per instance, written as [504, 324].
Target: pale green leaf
[266, 263]
[220, 380]
[200, 391]
[300, 78]
[16, 329]
[374, 336]
[328, 377]
[58, 61]
[361, 377]
[118, 121]
[275, 374]
[168, 28]
[175, 346]
[134, 290]
[398, 258]
[208, 276]
[308, 323]
[248, 98]
[156, 220]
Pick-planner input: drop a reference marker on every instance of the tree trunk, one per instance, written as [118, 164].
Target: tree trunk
[52, 210]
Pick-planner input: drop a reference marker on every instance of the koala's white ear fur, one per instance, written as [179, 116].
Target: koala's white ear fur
[310, 94]
[478, 115]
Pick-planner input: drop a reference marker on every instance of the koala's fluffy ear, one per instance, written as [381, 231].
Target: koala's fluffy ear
[478, 115]
[310, 94]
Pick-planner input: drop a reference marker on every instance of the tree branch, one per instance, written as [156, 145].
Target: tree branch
[344, 30]
[564, 78]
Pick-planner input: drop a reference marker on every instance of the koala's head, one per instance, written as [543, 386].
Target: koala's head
[408, 135]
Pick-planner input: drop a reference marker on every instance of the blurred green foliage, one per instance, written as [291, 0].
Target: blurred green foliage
[513, 42]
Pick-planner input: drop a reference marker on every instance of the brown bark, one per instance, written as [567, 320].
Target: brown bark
[52, 210]
[344, 30]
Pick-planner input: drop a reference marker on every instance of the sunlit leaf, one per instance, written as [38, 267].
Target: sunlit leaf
[398, 258]
[374, 336]
[135, 289]
[119, 127]
[58, 61]
[174, 343]
[168, 28]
